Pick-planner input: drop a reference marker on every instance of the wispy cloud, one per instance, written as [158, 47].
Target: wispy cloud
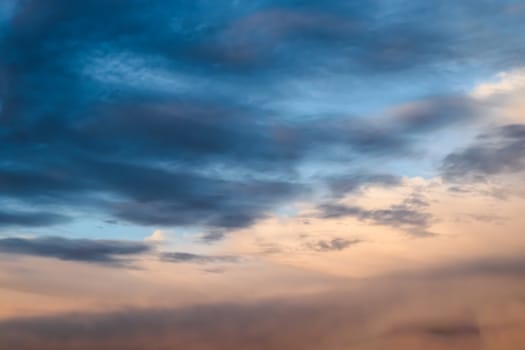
[181, 257]
[410, 215]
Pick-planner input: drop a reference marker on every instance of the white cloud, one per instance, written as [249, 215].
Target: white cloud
[504, 83]
[156, 236]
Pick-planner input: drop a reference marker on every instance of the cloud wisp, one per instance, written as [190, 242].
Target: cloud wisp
[268, 160]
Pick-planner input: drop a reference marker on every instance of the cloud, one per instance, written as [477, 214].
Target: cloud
[342, 185]
[510, 266]
[154, 195]
[213, 236]
[378, 313]
[208, 115]
[106, 252]
[505, 82]
[181, 257]
[156, 236]
[369, 36]
[431, 114]
[453, 330]
[335, 244]
[499, 151]
[160, 197]
[180, 98]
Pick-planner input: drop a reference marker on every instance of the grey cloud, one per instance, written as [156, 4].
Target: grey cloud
[454, 330]
[148, 195]
[344, 184]
[430, 114]
[408, 215]
[335, 244]
[499, 151]
[443, 315]
[447, 330]
[31, 219]
[214, 236]
[107, 252]
[182, 257]
[495, 266]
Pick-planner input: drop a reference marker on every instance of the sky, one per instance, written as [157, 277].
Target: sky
[265, 174]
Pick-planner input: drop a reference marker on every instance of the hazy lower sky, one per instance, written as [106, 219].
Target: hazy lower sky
[265, 174]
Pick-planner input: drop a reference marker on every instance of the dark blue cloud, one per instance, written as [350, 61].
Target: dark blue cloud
[161, 114]
[31, 218]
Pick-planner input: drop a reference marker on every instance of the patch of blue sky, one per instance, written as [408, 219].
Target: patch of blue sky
[7, 10]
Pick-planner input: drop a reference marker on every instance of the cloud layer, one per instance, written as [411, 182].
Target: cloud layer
[314, 175]
[367, 317]
[179, 107]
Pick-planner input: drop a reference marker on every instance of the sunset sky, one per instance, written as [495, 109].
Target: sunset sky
[262, 174]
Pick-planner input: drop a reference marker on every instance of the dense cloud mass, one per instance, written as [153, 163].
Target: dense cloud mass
[175, 104]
